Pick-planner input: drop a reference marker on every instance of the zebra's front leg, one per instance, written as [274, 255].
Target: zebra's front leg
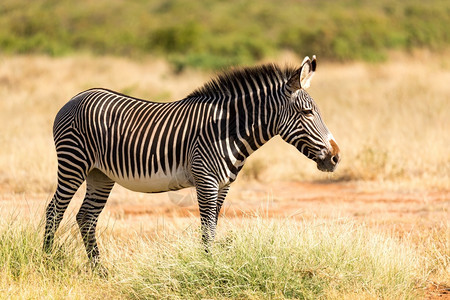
[220, 199]
[207, 192]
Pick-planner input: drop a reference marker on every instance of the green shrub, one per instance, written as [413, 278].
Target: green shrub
[229, 32]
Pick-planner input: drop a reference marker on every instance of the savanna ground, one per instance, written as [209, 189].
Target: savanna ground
[376, 228]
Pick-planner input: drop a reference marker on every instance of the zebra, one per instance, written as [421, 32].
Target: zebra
[202, 141]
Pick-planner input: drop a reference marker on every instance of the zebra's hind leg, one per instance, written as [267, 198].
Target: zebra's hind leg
[68, 184]
[98, 188]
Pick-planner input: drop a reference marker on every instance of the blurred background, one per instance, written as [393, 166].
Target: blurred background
[213, 34]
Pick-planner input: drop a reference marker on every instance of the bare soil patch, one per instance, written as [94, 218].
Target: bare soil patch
[406, 210]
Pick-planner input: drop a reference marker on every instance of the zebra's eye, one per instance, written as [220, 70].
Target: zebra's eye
[308, 112]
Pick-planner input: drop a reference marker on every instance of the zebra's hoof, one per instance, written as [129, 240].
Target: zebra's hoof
[102, 271]
[99, 269]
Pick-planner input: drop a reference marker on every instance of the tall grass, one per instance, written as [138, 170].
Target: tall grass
[256, 259]
[26, 272]
[278, 260]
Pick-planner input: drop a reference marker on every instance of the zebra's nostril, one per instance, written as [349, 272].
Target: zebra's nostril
[335, 159]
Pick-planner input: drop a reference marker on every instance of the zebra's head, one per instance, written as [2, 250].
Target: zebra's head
[301, 123]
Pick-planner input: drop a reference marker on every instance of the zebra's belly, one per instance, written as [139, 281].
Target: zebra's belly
[155, 183]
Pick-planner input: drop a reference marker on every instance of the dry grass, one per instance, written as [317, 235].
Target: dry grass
[390, 119]
[252, 258]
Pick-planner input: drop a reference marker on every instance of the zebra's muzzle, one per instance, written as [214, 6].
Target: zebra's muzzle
[328, 160]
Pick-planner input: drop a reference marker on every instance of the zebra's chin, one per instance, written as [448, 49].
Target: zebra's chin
[324, 167]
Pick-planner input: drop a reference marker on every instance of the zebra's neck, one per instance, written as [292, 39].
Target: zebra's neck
[254, 124]
[247, 104]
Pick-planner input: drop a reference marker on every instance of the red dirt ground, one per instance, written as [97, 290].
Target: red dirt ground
[306, 200]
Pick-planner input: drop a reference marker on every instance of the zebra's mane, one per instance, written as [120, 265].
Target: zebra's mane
[223, 83]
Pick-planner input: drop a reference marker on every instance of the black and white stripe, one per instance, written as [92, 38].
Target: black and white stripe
[203, 140]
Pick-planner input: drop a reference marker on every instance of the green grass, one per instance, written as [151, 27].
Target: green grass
[255, 259]
[213, 34]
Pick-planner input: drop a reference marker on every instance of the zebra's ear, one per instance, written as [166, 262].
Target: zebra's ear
[307, 71]
[301, 79]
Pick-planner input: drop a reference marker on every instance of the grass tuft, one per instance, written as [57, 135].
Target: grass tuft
[271, 259]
